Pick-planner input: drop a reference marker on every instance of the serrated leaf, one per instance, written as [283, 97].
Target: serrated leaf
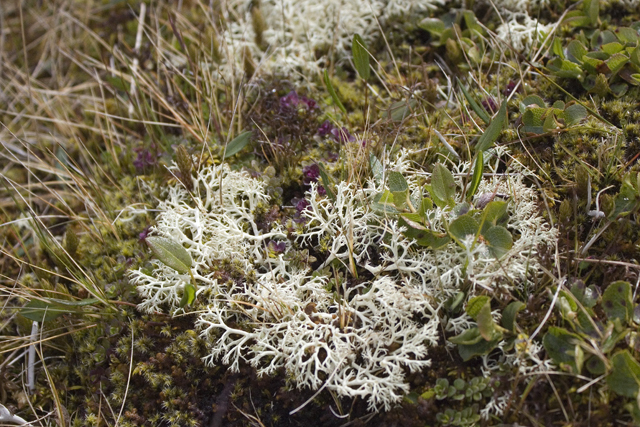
[376, 168]
[499, 240]
[397, 182]
[332, 92]
[443, 184]
[573, 114]
[624, 378]
[237, 144]
[463, 226]
[560, 346]
[42, 311]
[492, 132]
[509, 315]
[188, 296]
[617, 301]
[474, 105]
[534, 117]
[170, 253]
[360, 57]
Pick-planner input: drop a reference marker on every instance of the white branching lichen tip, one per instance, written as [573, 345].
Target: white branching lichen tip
[298, 31]
[356, 339]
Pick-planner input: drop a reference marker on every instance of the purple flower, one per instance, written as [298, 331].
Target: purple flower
[301, 205]
[144, 159]
[311, 173]
[325, 128]
[510, 87]
[342, 135]
[322, 191]
[293, 101]
[142, 236]
[290, 100]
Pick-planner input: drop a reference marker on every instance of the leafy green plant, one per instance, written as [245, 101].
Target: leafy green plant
[539, 118]
[609, 347]
[606, 62]
[486, 336]
[486, 224]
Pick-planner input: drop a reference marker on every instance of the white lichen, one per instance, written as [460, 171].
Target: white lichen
[357, 338]
[300, 36]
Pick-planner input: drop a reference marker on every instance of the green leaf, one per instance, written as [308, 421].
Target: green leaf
[595, 366]
[443, 184]
[475, 305]
[612, 48]
[433, 25]
[560, 344]
[499, 240]
[474, 105]
[573, 114]
[532, 100]
[479, 308]
[326, 183]
[468, 337]
[617, 301]
[591, 9]
[627, 35]
[509, 315]
[616, 62]
[237, 144]
[575, 51]
[423, 236]
[425, 206]
[188, 296]
[494, 213]
[462, 227]
[384, 203]
[170, 253]
[624, 378]
[564, 68]
[376, 168]
[626, 200]
[42, 311]
[471, 343]
[74, 303]
[360, 57]
[492, 132]
[332, 92]
[400, 199]
[397, 182]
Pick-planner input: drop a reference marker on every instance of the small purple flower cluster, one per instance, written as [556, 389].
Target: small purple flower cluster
[341, 135]
[312, 174]
[145, 159]
[293, 101]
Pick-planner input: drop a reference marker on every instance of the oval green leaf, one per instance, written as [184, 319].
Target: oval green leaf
[170, 253]
[237, 144]
[360, 57]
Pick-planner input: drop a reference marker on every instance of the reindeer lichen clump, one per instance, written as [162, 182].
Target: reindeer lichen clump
[364, 317]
